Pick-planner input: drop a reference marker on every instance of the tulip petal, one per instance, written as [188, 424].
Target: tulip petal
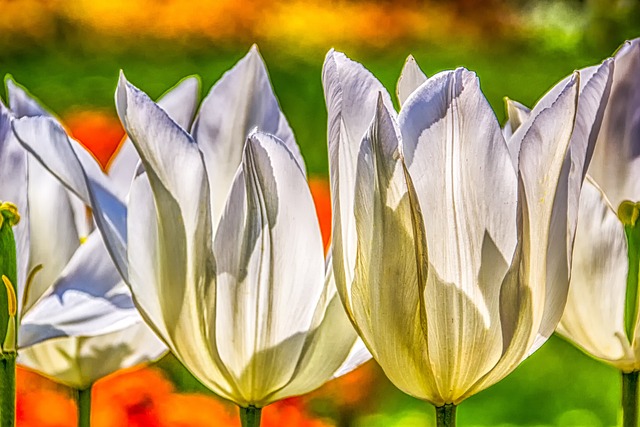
[165, 300]
[332, 347]
[617, 157]
[13, 176]
[545, 163]
[22, 103]
[180, 103]
[594, 316]
[169, 253]
[385, 300]
[410, 79]
[516, 310]
[516, 115]
[88, 298]
[350, 92]
[467, 189]
[358, 355]
[269, 256]
[81, 174]
[53, 234]
[78, 362]
[240, 101]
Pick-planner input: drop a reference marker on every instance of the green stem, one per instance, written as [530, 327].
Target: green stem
[84, 407]
[630, 399]
[446, 415]
[8, 390]
[250, 417]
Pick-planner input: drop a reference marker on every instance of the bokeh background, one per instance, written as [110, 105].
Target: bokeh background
[69, 53]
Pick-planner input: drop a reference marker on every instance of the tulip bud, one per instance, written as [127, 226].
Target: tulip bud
[8, 271]
[629, 212]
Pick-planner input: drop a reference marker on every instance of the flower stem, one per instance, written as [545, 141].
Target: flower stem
[250, 416]
[446, 415]
[8, 390]
[630, 399]
[84, 407]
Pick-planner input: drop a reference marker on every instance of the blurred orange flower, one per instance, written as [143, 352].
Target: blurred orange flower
[290, 412]
[45, 408]
[322, 199]
[141, 397]
[130, 397]
[42, 402]
[196, 410]
[351, 394]
[99, 132]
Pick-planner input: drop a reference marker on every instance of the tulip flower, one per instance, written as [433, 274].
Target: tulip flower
[77, 319]
[601, 316]
[219, 242]
[451, 247]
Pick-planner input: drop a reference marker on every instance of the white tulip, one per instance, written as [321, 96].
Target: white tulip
[595, 317]
[220, 242]
[451, 247]
[77, 319]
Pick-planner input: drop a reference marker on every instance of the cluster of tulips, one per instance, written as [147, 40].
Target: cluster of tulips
[456, 243]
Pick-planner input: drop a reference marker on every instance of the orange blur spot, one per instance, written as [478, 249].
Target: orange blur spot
[130, 397]
[99, 132]
[322, 198]
[196, 410]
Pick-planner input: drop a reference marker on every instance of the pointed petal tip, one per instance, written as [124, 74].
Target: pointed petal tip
[121, 93]
[122, 79]
[9, 80]
[254, 54]
[13, 86]
[627, 46]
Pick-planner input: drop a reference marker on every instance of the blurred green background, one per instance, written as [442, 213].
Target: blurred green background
[68, 54]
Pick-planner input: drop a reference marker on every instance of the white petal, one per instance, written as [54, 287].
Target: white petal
[53, 234]
[617, 157]
[78, 362]
[545, 163]
[410, 79]
[88, 298]
[240, 101]
[350, 94]
[270, 269]
[332, 347]
[26, 105]
[13, 176]
[170, 157]
[595, 85]
[594, 315]
[180, 103]
[169, 252]
[166, 298]
[516, 115]
[358, 355]
[22, 103]
[385, 301]
[467, 188]
[81, 174]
